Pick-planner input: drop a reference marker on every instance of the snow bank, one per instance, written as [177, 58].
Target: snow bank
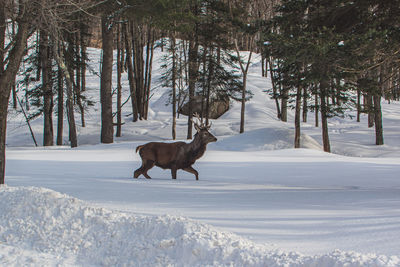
[264, 139]
[42, 227]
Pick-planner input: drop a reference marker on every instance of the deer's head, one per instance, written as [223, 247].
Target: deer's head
[203, 130]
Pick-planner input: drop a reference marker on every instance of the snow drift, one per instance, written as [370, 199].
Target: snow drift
[264, 139]
[39, 226]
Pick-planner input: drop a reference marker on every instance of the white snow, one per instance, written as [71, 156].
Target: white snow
[42, 226]
[258, 202]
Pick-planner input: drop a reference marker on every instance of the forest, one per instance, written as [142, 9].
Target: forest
[277, 120]
[329, 57]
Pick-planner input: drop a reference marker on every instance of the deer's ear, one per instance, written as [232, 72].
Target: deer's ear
[197, 127]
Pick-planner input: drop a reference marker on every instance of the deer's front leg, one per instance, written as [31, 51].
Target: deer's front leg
[173, 172]
[191, 170]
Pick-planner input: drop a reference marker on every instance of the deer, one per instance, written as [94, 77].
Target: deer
[176, 155]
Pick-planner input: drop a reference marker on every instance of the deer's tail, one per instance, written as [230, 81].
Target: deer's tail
[138, 148]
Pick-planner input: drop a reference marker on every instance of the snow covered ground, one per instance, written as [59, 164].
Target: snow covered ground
[258, 201]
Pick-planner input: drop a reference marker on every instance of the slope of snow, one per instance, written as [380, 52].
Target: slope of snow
[58, 229]
[258, 201]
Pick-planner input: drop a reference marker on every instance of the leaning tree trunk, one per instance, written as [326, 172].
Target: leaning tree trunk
[274, 89]
[7, 78]
[107, 130]
[59, 56]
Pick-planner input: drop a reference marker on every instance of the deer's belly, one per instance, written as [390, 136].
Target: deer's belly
[177, 165]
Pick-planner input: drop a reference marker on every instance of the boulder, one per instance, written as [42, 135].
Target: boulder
[217, 107]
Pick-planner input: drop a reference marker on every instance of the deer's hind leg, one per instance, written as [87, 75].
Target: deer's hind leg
[191, 170]
[146, 165]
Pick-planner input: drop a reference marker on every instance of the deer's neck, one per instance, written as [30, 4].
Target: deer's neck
[197, 148]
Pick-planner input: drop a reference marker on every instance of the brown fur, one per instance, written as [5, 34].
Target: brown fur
[174, 156]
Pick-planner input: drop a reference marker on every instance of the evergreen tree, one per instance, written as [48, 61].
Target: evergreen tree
[307, 43]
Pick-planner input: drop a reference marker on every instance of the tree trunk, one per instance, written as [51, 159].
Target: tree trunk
[45, 59]
[60, 107]
[137, 34]
[210, 77]
[149, 78]
[119, 86]
[3, 99]
[3, 125]
[78, 78]
[383, 86]
[297, 119]
[324, 116]
[369, 105]
[14, 96]
[378, 120]
[83, 57]
[59, 56]
[274, 90]
[358, 104]
[305, 104]
[262, 65]
[147, 72]
[2, 55]
[316, 110]
[242, 108]
[107, 130]
[203, 96]
[2, 37]
[173, 49]
[244, 70]
[6, 79]
[193, 74]
[284, 103]
[128, 47]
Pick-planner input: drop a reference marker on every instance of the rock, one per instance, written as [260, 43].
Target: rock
[217, 107]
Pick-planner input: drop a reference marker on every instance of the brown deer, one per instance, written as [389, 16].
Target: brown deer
[177, 155]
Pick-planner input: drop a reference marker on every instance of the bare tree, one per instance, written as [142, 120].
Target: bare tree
[244, 69]
[30, 16]
[10, 64]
